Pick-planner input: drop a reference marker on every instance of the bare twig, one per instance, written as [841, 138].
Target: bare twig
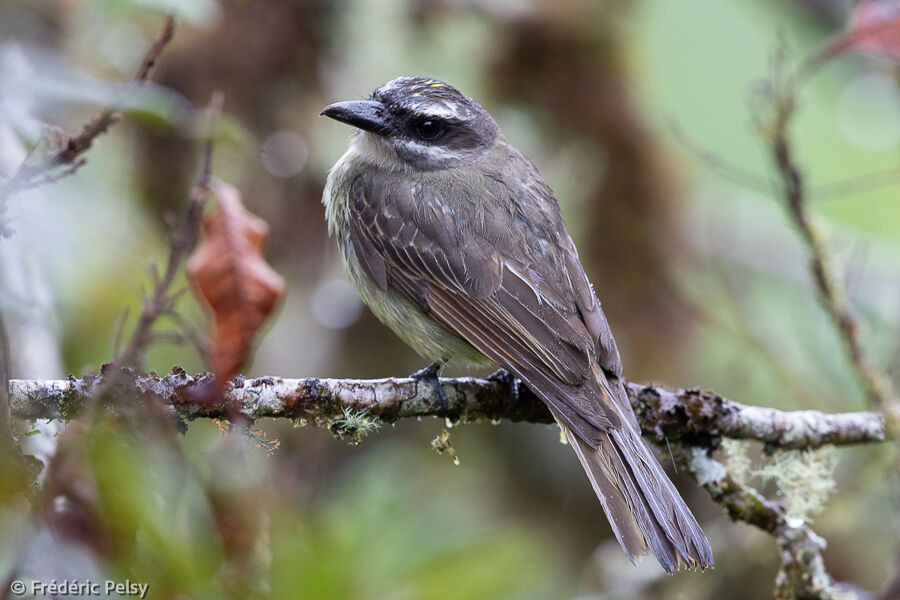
[190, 333]
[855, 185]
[878, 386]
[162, 300]
[875, 381]
[69, 150]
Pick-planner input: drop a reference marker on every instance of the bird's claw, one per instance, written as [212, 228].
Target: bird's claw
[504, 376]
[430, 374]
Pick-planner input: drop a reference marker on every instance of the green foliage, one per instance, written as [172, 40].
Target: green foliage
[197, 12]
[363, 541]
[195, 516]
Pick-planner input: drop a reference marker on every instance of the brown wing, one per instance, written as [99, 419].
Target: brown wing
[598, 328]
[512, 294]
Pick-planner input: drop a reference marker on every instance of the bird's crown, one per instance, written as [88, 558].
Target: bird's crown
[427, 97]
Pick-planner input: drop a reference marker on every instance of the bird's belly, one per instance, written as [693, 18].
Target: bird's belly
[427, 337]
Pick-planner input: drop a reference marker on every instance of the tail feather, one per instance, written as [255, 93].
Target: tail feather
[617, 509]
[643, 507]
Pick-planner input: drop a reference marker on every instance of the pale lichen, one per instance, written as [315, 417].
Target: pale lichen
[706, 470]
[737, 460]
[354, 425]
[804, 478]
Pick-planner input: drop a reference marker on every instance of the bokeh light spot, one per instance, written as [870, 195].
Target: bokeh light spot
[284, 154]
[335, 304]
[868, 112]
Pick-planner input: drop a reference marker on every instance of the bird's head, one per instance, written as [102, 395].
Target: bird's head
[420, 123]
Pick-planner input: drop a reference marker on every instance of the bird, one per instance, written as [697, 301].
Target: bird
[453, 239]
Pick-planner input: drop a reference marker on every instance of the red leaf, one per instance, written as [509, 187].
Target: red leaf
[875, 27]
[227, 269]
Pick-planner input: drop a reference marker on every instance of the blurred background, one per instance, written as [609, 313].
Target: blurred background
[702, 278]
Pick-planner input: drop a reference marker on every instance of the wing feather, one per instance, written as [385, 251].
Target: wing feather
[485, 296]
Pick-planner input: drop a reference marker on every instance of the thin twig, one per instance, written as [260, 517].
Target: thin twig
[875, 381]
[855, 185]
[34, 174]
[191, 334]
[162, 300]
[878, 386]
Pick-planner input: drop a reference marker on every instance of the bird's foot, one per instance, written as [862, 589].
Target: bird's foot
[514, 383]
[430, 375]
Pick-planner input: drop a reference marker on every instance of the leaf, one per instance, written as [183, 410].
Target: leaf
[228, 271]
[874, 27]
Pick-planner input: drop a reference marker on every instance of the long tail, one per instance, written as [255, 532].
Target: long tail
[643, 507]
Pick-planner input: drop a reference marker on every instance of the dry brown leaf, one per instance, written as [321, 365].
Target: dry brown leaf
[228, 271]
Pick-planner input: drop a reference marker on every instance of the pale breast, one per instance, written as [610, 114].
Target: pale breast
[428, 338]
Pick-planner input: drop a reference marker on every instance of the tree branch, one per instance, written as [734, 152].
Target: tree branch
[693, 416]
[794, 194]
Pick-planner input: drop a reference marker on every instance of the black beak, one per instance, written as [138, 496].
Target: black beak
[364, 114]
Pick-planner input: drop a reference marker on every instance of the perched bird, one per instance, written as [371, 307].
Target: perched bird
[454, 240]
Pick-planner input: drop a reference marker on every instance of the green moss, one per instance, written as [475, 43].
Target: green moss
[71, 403]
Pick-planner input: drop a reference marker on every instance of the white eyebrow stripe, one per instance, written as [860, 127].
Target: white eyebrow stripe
[439, 111]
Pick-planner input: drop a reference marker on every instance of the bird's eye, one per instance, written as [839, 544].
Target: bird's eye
[429, 129]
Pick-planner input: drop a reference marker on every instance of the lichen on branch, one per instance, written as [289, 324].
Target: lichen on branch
[690, 415]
